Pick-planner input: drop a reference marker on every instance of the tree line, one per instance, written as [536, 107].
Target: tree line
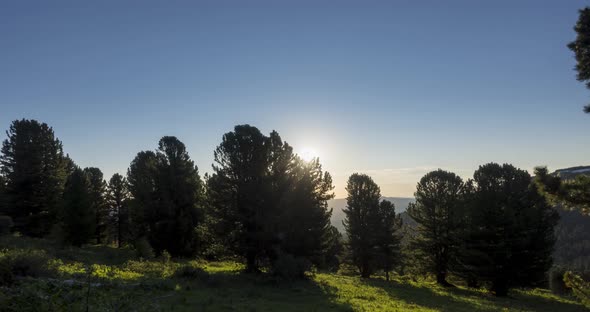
[264, 205]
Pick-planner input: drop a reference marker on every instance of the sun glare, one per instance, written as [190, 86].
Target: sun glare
[308, 154]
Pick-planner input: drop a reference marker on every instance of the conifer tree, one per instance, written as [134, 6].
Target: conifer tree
[78, 216]
[32, 162]
[141, 179]
[239, 190]
[117, 201]
[167, 198]
[437, 211]
[509, 229]
[361, 220]
[388, 241]
[98, 202]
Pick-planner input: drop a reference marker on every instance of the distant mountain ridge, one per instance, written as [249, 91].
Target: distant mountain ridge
[338, 205]
[570, 173]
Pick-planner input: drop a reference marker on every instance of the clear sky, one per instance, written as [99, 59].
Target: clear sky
[389, 88]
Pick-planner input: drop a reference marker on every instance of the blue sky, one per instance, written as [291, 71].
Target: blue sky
[390, 88]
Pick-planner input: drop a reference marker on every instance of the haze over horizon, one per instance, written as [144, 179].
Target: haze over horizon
[346, 80]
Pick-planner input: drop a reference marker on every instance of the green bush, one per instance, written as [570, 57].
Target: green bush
[288, 267]
[24, 262]
[189, 271]
[144, 249]
[5, 225]
[579, 286]
[556, 281]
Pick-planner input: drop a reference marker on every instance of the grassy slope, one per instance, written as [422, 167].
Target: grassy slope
[152, 286]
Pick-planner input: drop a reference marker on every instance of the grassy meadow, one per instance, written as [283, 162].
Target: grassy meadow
[38, 275]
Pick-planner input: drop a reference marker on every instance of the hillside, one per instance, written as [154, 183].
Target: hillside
[99, 278]
[338, 204]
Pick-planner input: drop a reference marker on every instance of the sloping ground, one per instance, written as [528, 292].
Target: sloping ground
[105, 279]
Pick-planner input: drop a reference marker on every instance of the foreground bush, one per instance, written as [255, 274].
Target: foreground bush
[288, 267]
[580, 287]
[24, 262]
[556, 281]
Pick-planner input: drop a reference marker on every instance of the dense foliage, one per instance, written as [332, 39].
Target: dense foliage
[439, 199]
[32, 162]
[266, 206]
[509, 229]
[581, 48]
[370, 226]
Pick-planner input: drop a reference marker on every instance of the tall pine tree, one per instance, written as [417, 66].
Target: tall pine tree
[240, 194]
[78, 217]
[98, 202]
[33, 163]
[361, 220]
[117, 203]
[509, 229]
[437, 211]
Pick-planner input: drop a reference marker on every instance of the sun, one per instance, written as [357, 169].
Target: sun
[308, 153]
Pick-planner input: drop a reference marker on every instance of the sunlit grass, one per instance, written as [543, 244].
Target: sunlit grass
[192, 285]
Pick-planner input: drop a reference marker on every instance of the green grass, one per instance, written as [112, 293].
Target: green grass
[123, 283]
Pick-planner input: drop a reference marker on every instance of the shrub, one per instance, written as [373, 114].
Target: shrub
[189, 271]
[166, 257]
[144, 249]
[23, 262]
[580, 287]
[556, 281]
[288, 267]
[5, 224]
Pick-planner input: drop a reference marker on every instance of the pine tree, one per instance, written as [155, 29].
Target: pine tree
[239, 192]
[581, 48]
[305, 229]
[180, 200]
[388, 241]
[168, 197]
[437, 210]
[117, 201]
[362, 218]
[509, 229]
[78, 216]
[142, 177]
[33, 163]
[98, 202]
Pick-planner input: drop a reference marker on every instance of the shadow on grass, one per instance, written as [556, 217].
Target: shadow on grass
[544, 300]
[459, 299]
[449, 299]
[239, 291]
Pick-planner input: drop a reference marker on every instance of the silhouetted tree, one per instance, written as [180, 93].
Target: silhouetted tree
[266, 202]
[117, 201]
[581, 47]
[3, 202]
[142, 177]
[78, 215]
[98, 202]
[33, 163]
[305, 226]
[361, 220]
[180, 199]
[333, 253]
[571, 193]
[388, 241]
[239, 191]
[437, 212]
[167, 198]
[509, 229]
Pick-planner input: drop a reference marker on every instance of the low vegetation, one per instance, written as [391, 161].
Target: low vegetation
[39, 275]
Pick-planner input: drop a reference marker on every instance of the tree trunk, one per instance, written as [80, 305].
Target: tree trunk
[251, 266]
[500, 287]
[119, 227]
